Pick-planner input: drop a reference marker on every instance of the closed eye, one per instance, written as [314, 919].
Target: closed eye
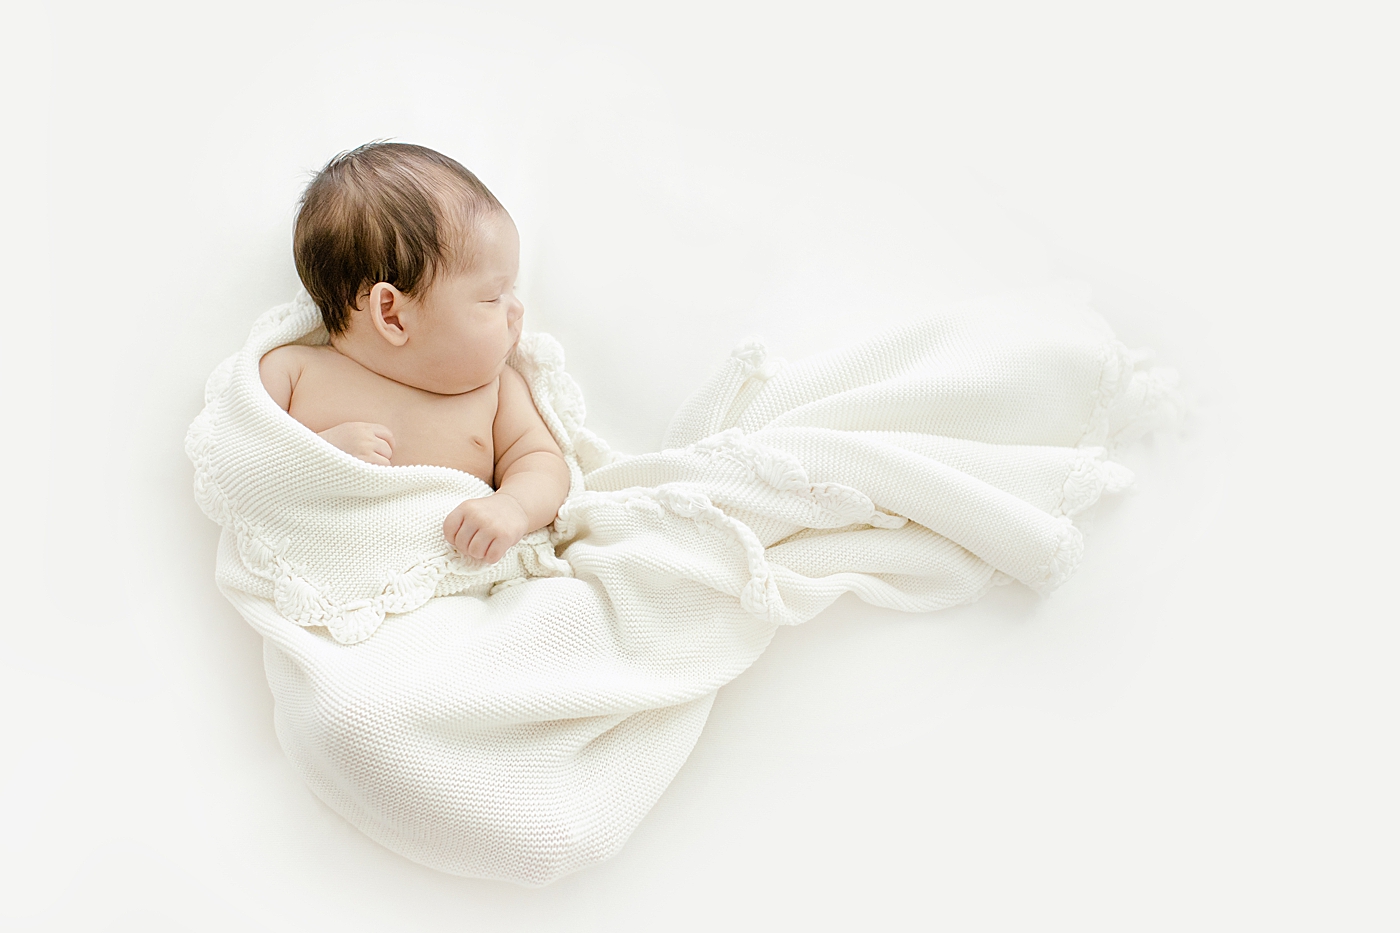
[501, 297]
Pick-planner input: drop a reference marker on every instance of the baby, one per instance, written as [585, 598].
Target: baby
[413, 262]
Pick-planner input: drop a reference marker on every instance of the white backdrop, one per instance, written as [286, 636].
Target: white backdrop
[1198, 731]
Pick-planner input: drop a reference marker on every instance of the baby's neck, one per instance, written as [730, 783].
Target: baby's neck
[366, 355]
[396, 364]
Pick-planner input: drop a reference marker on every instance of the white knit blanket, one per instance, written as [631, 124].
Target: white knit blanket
[516, 721]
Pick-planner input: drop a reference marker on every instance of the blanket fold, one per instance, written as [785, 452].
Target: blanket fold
[517, 720]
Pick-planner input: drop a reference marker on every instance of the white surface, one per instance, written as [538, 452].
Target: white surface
[1198, 730]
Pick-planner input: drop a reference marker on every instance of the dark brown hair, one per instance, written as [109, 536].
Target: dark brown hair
[383, 212]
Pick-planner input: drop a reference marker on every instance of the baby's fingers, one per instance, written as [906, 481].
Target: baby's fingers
[480, 544]
[384, 434]
[462, 538]
[497, 550]
[453, 524]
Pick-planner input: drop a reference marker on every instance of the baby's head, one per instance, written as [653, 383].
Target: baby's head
[412, 262]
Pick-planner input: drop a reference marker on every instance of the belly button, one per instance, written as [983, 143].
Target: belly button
[478, 441]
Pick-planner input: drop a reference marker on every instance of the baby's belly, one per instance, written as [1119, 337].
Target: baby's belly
[465, 450]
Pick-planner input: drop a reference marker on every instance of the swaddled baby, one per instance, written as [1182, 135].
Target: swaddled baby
[413, 262]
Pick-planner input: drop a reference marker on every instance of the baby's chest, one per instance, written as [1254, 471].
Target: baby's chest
[450, 431]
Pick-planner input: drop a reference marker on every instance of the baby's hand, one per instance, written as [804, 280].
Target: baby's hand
[372, 443]
[484, 528]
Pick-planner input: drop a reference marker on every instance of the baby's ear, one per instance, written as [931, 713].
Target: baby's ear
[386, 305]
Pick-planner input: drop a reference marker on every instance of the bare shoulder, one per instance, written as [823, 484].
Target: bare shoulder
[516, 415]
[514, 387]
[281, 368]
[514, 406]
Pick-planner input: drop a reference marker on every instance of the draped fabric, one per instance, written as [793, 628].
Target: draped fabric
[518, 720]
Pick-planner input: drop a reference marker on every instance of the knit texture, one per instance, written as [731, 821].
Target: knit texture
[517, 720]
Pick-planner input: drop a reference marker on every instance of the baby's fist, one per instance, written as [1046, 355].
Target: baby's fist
[372, 443]
[484, 529]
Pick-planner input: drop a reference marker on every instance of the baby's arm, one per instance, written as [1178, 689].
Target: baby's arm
[529, 465]
[531, 477]
[280, 369]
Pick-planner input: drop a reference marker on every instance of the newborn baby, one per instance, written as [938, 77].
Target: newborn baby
[412, 262]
